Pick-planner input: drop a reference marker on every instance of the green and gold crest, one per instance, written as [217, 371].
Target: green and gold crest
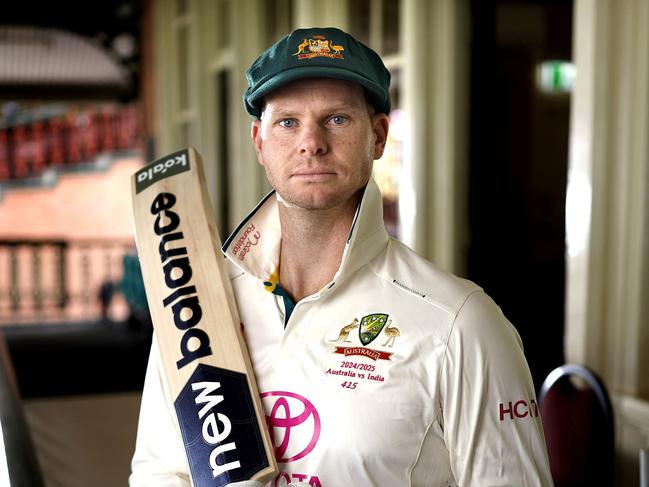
[371, 326]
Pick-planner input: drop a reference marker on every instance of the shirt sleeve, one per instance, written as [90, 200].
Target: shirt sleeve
[159, 459]
[490, 416]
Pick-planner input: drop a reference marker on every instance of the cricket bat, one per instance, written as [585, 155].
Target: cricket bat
[195, 318]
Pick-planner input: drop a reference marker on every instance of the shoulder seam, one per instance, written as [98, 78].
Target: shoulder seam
[448, 337]
[461, 304]
[421, 295]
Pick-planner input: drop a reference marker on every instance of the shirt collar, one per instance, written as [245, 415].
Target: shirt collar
[255, 244]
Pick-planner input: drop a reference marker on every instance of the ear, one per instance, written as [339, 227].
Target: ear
[255, 134]
[380, 127]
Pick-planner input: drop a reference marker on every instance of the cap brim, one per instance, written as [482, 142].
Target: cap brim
[375, 92]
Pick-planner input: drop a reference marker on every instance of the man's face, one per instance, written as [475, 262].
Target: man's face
[317, 141]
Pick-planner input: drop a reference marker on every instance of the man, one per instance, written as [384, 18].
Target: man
[375, 367]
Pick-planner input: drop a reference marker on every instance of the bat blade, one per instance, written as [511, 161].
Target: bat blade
[195, 317]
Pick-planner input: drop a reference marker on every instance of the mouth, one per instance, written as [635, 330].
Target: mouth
[314, 176]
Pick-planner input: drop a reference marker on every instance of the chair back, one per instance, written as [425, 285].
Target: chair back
[579, 427]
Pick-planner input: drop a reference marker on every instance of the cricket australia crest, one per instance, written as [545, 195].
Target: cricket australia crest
[371, 326]
[319, 46]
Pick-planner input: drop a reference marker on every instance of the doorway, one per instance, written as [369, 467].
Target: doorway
[518, 166]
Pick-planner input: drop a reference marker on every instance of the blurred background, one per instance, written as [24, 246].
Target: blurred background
[518, 158]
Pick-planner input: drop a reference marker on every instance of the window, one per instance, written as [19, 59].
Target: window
[376, 23]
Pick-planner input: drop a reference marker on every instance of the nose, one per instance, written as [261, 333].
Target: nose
[313, 141]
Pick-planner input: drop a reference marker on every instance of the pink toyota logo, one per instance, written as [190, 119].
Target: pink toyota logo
[294, 425]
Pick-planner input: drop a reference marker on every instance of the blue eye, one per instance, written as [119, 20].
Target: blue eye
[287, 123]
[338, 119]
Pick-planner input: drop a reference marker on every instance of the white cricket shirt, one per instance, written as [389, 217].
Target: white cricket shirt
[394, 374]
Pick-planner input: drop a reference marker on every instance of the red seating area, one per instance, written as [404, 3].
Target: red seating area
[28, 148]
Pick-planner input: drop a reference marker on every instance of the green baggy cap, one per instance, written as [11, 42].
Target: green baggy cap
[317, 53]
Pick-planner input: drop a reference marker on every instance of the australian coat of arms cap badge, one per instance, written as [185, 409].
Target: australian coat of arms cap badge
[319, 46]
